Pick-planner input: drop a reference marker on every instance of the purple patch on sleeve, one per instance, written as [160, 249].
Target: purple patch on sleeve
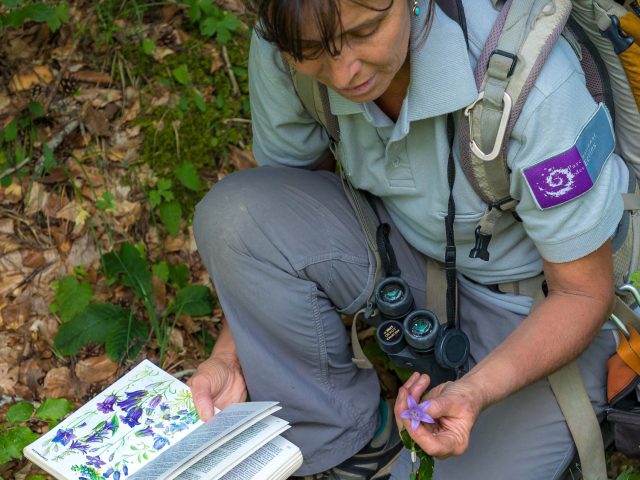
[559, 179]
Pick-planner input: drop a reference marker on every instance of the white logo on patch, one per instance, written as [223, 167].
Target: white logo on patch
[559, 181]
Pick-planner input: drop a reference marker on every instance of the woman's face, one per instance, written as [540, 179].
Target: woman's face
[374, 46]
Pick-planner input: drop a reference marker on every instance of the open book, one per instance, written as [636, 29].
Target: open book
[145, 426]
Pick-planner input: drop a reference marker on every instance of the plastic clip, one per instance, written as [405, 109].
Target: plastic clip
[614, 33]
[481, 248]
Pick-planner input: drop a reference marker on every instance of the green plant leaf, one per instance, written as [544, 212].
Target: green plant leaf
[179, 274]
[106, 202]
[188, 176]
[126, 329]
[92, 325]
[11, 132]
[148, 46]
[132, 266]
[181, 74]
[36, 109]
[71, 297]
[200, 103]
[54, 409]
[49, 158]
[629, 474]
[13, 440]
[36, 477]
[161, 270]
[20, 412]
[11, 3]
[195, 300]
[170, 215]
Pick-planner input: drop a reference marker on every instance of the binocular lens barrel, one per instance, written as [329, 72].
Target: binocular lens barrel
[390, 337]
[393, 298]
[421, 329]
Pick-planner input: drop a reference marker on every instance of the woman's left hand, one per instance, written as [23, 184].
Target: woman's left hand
[454, 407]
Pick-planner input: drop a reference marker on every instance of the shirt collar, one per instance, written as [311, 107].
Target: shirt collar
[442, 80]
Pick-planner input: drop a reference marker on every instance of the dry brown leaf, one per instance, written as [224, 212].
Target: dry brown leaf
[96, 122]
[128, 213]
[95, 369]
[9, 347]
[90, 76]
[25, 80]
[31, 373]
[99, 97]
[192, 241]
[241, 159]
[217, 62]
[11, 194]
[188, 324]
[69, 212]
[83, 252]
[8, 244]
[32, 258]
[175, 244]
[131, 113]
[38, 198]
[159, 293]
[59, 384]
[5, 101]
[160, 53]
[7, 225]
[8, 379]
[176, 339]
[16, 315]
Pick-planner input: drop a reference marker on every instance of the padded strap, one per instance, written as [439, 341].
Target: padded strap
[575, 405]
[629, 350]
[359, 358]
[436, 286]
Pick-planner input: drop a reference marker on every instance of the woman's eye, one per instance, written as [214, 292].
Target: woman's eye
[366, 32]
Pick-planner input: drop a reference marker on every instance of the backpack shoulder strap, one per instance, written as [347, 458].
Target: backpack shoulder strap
[518, 45]
[315, 99]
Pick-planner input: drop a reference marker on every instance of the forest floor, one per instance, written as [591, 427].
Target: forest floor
[116, 116]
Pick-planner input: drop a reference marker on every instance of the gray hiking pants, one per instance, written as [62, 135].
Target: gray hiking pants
[287, 257]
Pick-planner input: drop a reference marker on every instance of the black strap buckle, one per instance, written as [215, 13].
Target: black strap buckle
[513, 57]
[450, 257]
[500, 203]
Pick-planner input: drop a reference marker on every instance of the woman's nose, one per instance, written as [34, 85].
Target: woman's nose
[344, 68]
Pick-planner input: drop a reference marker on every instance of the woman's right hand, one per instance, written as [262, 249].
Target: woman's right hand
[218, 381]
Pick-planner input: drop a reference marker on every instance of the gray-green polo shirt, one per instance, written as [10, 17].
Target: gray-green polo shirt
[405, 163]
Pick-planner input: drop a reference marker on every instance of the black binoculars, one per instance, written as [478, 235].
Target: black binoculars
[414, 339]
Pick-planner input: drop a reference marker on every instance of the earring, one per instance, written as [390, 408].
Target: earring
[416, 8]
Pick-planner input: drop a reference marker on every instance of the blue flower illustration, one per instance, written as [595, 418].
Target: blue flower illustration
[103, 428]
[76, 445]
[133, 416]
[64, 436]
[132, 399]
[145, 432]
[94, 461]
[107, 405]
[160, 442]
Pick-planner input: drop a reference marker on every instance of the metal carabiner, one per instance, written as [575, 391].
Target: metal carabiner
[621, 326]
[630, 288]
[502, 127]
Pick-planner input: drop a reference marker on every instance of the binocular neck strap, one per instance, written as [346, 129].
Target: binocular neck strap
[387, 257]
[450, 250]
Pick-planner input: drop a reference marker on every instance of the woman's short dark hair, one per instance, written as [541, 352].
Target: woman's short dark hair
[281, 21]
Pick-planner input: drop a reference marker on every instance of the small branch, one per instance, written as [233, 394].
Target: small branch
[234, 83]
[52, 144]
[236, 120]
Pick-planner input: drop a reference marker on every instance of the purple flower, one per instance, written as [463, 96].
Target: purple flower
[153, 403]
[145, 432]
[76, 445]
[64, 436]
[160, 442]
[133, 416]
[132, 399]
[103, 428]
[107, 405]
[416, 413]
[94, 461]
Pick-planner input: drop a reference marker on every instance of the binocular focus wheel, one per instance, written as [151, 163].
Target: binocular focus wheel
[452, 351]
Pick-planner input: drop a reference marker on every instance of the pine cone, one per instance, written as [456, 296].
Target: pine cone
[37, 92]
[68, 86]
[168, 37]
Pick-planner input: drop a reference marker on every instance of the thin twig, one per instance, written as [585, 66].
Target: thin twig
[184, 373]
[235, 89]
[52, 144]
[236, 120]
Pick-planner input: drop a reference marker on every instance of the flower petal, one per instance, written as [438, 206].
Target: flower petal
[424, 417]
[414, 423]
[406, 414]
[424, 405]
[411, 402]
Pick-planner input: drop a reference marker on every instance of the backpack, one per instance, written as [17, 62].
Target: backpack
[602, 34]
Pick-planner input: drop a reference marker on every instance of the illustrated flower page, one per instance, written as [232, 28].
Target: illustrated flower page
[122, 428]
